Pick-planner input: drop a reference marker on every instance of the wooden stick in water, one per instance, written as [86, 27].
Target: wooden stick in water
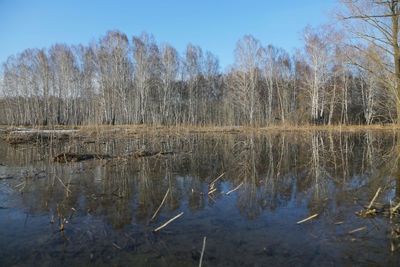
[309, 218]
[396, 207]
[162, 202]
[373, 200]
[358, 229]
[216, 179]
[212, 198]
[212, 191]
[202, 251]
[233, 190]
[63, 184]
[171, 220]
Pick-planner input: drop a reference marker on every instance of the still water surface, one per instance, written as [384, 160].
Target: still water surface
[285, 177]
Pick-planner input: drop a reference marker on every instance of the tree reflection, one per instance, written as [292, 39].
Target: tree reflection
[319, 169]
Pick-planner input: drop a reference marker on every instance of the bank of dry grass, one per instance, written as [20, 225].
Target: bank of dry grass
[178, 130]
[150, 129]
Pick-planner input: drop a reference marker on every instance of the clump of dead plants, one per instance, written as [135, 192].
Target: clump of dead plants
[33, 138]
[65, 157]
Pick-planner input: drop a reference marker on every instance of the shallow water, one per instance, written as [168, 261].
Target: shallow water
[106, 205]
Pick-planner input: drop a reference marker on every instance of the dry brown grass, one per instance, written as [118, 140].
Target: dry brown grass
[112, 131]
[149, 129]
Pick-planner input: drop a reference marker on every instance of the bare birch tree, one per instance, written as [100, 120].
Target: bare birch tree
[376, 23]
[318, 58]
[169, 97]
[193, 71]
[142, 53]
[245, 75]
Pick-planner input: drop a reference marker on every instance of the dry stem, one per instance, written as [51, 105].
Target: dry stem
[211, 185]
[202, 251]
[373, 200]
[309, 218]
[162, 202]
[168, 222]
[358, 229]
[233, 190]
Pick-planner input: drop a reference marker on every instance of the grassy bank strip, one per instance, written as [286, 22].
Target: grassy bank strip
[205, 129]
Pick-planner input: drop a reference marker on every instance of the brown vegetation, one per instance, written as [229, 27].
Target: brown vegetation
[65, 157]
[88, 134]
[33, 138]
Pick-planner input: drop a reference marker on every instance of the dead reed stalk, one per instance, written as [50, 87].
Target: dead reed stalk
[356, 230]
[202, 251]
[233, 190]
[373, 200]
[309, 218]
[211, 185]
[162, 202]
[168, 222]
[395, 208]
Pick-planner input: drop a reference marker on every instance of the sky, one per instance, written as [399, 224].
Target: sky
[214, 25]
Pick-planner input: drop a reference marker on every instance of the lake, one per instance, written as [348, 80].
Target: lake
[98, 211]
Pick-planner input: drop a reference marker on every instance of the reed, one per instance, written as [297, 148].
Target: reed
[202, 251]
[168, 222]
[162, 202]
[233, 190]
[357, 230]
[308, 218]
[374, 198]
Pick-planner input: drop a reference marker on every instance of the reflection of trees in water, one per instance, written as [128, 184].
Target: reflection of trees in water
[267, 166]
[247, 158]
[313, 168]
[319, 174]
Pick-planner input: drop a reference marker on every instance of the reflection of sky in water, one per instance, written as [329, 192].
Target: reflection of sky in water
[285, 178]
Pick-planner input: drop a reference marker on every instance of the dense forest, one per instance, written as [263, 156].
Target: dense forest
[348, 75]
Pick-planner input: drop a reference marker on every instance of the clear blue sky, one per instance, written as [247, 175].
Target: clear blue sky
[214, 25]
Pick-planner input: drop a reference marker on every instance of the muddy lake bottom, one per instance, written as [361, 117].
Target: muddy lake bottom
[98, 211]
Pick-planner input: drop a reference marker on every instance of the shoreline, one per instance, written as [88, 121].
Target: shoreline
[142, 128]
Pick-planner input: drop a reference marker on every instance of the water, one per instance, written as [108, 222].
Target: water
[286, 177]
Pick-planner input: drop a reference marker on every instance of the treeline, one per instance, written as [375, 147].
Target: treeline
[118, 80]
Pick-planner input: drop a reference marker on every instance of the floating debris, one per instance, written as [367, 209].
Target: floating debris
[373, 199]
[309, 218]
[212, 191]
[211, 185]
[357, 230]
[233, 190]
[116, 246]
[380, 209]
[366, 213]
[202, 251]
[162, 202]
[168, 222]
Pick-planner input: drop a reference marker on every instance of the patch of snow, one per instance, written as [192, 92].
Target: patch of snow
[43, 131]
